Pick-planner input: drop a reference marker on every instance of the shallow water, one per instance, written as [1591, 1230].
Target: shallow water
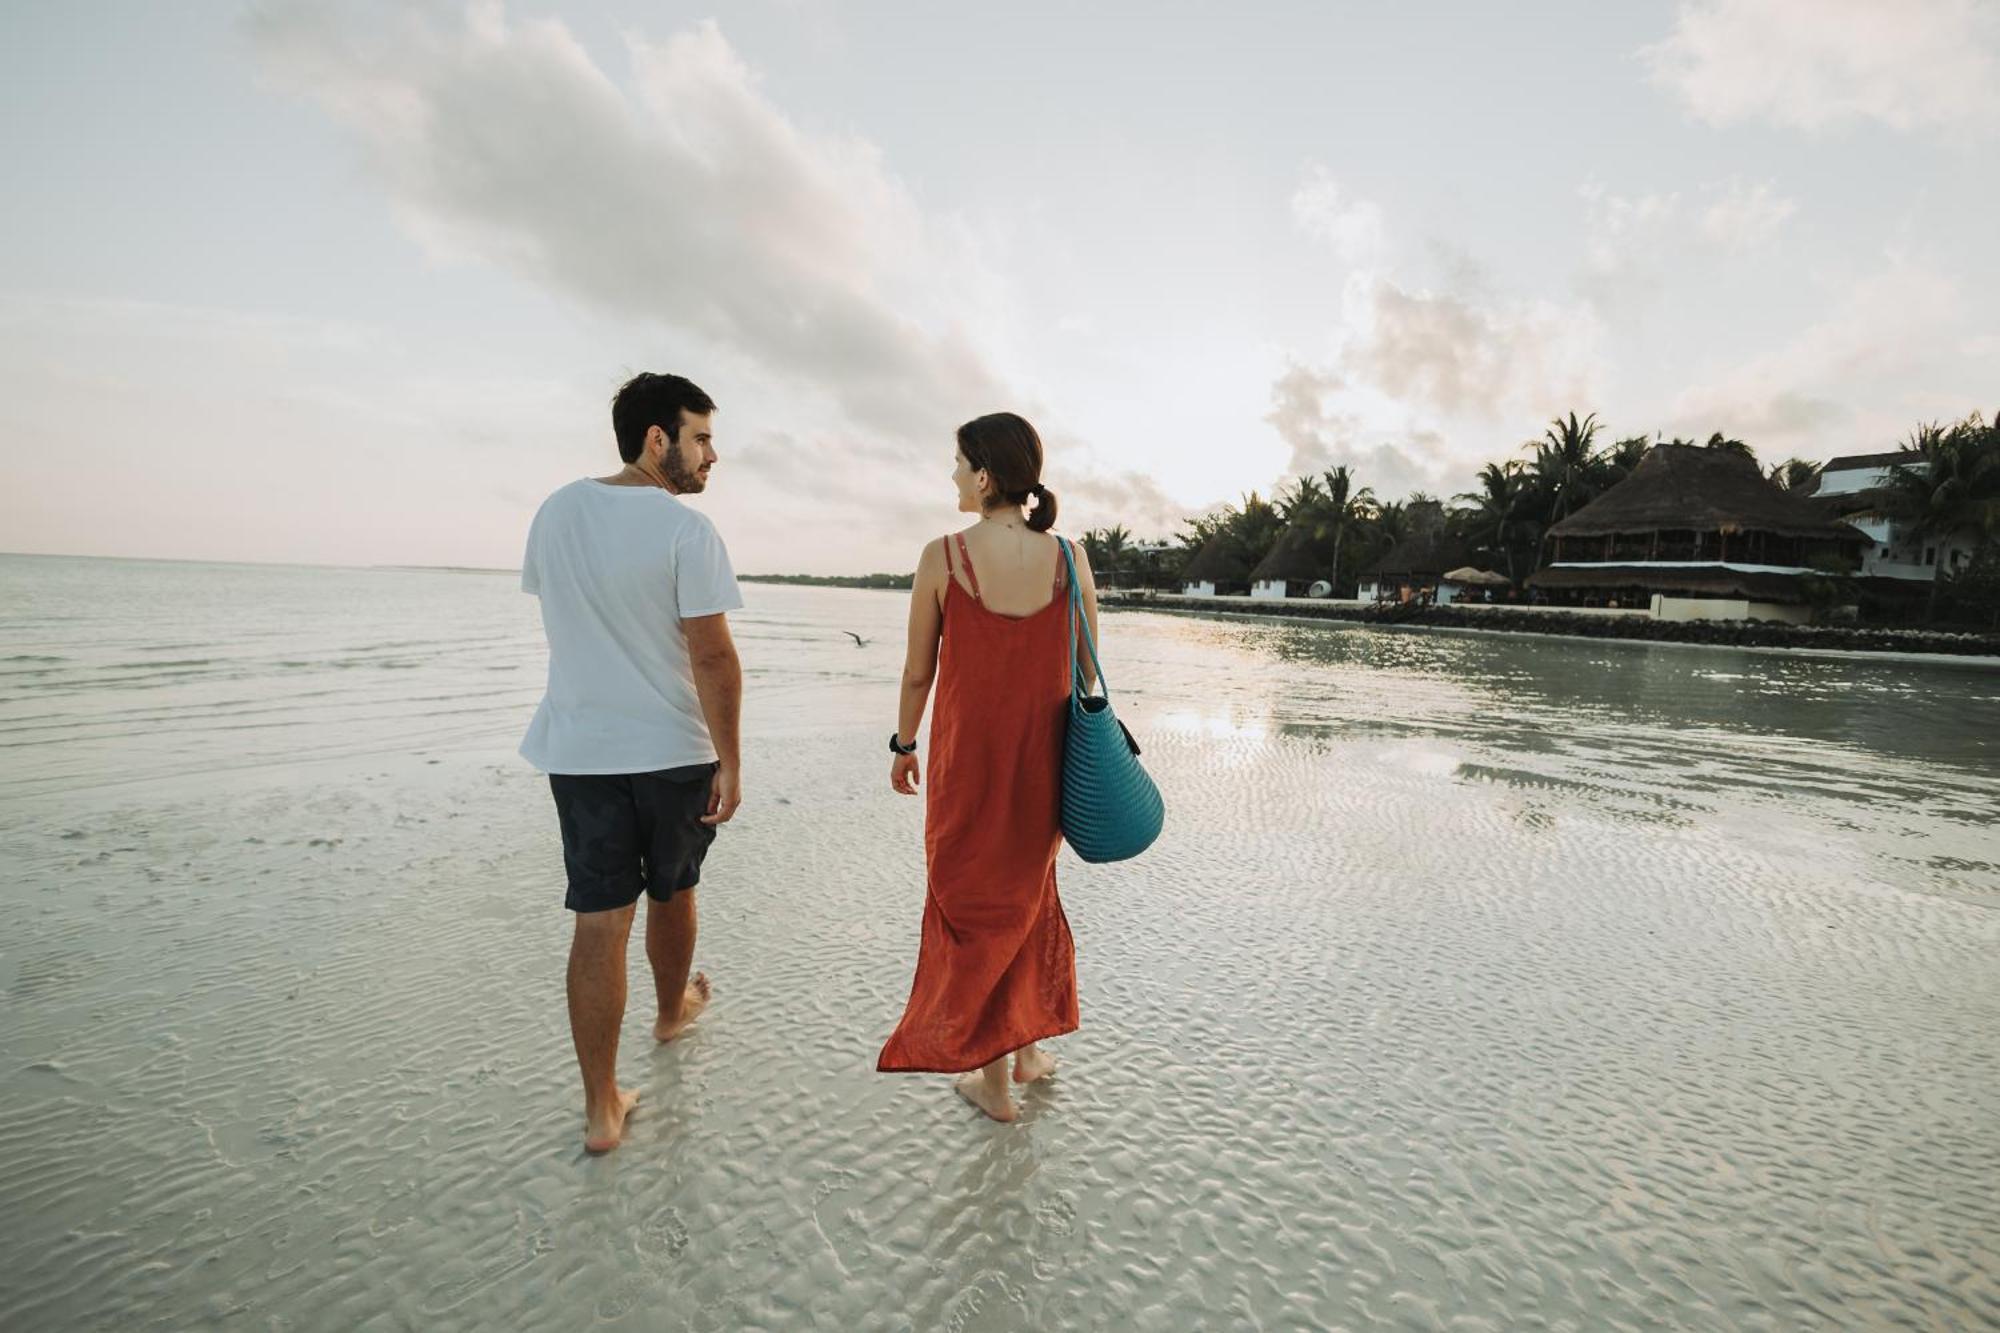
[1479, 982]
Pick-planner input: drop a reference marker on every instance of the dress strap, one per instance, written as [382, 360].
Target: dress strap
[965, 562]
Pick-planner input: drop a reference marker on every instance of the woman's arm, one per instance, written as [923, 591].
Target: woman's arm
[919, 660]
[1086, 581]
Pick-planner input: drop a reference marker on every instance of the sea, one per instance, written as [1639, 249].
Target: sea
[1479, 981]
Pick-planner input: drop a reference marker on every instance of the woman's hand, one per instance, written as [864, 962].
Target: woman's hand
[903, 775]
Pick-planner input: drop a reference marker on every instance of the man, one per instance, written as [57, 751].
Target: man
[638, 729]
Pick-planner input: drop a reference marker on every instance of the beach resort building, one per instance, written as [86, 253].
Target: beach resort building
[1297, 560]
[1851, 488]
[1414, 569]
[1218, 567]
[1696, 534]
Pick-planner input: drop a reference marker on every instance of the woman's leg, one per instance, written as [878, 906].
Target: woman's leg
[1031, 1062]
[986, 1088]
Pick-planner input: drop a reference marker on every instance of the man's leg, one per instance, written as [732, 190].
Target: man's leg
[596, 1009]
[670, 932]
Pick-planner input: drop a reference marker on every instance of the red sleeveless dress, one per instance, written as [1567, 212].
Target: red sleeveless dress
[996, 968]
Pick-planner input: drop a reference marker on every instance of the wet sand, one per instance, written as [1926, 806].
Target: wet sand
[1464, 991]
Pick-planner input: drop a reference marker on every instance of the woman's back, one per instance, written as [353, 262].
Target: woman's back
[1017, 571]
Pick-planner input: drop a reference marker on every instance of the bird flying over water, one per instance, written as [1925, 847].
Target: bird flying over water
[859, 642]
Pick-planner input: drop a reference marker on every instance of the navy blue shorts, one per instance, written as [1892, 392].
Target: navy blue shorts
[627, 832]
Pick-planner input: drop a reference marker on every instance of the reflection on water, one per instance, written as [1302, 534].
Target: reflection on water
[121, 671]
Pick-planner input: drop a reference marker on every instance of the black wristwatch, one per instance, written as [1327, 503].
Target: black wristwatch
[897, 749]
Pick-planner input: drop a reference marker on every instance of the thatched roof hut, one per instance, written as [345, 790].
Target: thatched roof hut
[1300, 555]
[1695, 520]
[1218, 561]
[1421, 556]
[1689, 488]
[1713, 580]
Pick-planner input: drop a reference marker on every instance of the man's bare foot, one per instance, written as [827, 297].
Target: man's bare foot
[692, 1003]
[1032, 1063]
[996, 1104]
[604, 1131]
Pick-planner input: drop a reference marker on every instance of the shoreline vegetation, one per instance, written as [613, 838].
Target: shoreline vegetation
[1522, 620]
[1500, 619]
[884, 582]
[1332, 530]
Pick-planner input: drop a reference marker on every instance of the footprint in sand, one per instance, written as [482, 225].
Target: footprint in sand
[665, 1233]
[991, 1302]
[836, 1209]
[1052, 1247]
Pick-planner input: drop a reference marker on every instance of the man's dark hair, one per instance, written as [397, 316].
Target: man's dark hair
[650, 400]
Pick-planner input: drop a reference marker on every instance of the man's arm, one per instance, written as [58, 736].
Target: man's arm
[718, 680]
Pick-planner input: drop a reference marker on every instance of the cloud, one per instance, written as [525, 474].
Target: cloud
[1634, 245]
[1811, 64]
[1463, 356]
[692, 201]
[1423, 381]
[1746, 216]
[1391, 460]
[1090, 497]
[1352, 228]
[684, 197]
[1846, 380]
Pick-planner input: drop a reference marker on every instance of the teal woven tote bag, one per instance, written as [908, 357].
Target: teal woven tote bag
[1111, 811]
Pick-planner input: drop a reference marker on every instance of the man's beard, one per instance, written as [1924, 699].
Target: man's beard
[684, 479]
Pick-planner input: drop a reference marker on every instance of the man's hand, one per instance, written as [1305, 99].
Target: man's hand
[903, 775]
[724, 795]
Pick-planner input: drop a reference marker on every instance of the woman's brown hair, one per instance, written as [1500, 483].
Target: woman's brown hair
[1007, 449]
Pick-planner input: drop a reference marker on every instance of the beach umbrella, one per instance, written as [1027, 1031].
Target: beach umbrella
[1478, 578]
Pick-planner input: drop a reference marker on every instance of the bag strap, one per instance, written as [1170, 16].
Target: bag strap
[1079, 621]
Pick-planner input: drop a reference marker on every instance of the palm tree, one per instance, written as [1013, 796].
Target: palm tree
[1344, 507]
[1392, 523]
[1945, 483]
[1794, 474]
[1199, 529]
[1305, 497]
[1117, 543]
[1728, 446]
[1495, 506]
[1254, 528]
[1617, 462]
[1564, 457]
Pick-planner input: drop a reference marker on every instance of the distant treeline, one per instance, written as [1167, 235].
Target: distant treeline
[891, 582]
[1950, 485]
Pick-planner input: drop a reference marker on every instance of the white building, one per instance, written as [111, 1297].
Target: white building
[1850, 488]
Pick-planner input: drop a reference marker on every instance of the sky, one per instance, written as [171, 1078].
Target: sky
[353, 283]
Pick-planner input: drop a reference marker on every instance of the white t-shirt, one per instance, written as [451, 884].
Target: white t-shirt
[618, 568]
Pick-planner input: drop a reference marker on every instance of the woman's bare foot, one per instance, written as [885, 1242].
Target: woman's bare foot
[989, 1095]
[604, 1130]
[692, 1003]
[1031, 1062]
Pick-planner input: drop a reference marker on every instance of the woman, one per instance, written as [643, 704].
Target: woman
[989, 621]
